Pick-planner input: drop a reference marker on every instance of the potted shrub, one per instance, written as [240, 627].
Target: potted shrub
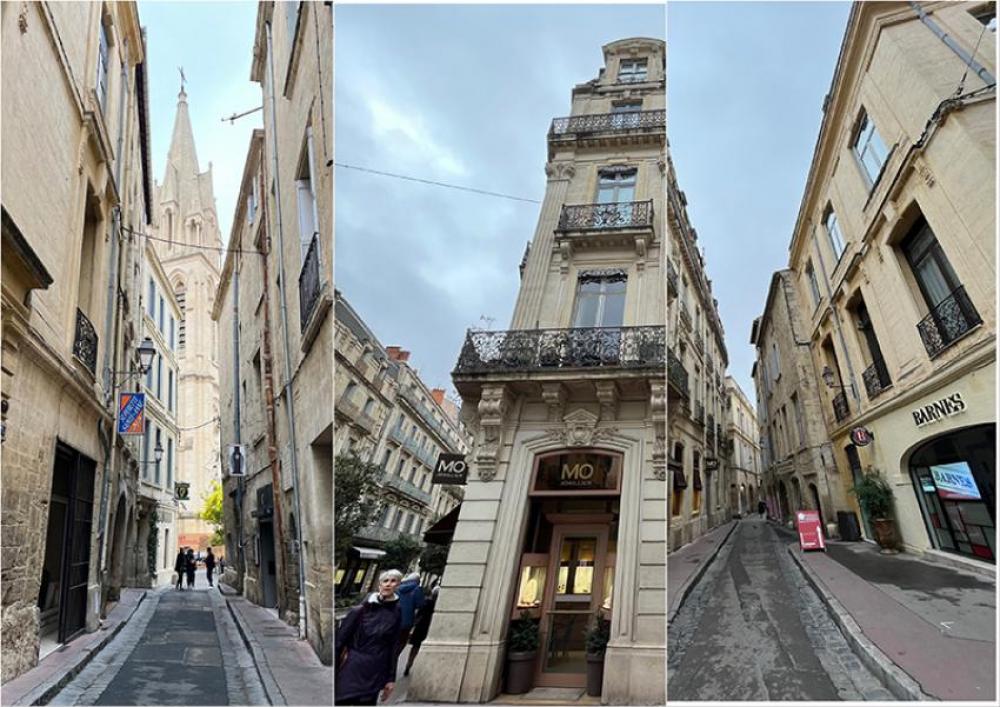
[875, 497]
[598, 634]
[522, 647]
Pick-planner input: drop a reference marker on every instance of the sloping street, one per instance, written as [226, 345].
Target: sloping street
[753, 629]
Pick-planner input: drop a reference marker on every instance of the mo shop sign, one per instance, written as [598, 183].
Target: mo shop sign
[938, 410]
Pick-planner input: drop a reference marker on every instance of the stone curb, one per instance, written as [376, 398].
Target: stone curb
[267, 680]
[44, 692]
[693, 579]
[900, 683]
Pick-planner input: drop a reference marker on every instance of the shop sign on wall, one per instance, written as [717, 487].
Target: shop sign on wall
[955, 482]
[938, 410]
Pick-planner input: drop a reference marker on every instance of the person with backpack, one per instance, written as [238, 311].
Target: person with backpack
[365, 646]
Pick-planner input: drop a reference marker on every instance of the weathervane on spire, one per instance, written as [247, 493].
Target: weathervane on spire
[183, 79]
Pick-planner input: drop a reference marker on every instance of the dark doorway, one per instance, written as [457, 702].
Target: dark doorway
[62, 596]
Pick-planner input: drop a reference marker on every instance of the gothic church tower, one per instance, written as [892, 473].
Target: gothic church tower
[188, 226]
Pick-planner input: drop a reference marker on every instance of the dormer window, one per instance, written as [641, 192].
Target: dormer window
[632, 71]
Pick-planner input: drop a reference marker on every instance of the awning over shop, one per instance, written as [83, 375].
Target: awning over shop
[368, 553]
[440, 533]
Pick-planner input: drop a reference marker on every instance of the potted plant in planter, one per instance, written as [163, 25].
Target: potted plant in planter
[875, 496]
[522, 647]
[598, 634]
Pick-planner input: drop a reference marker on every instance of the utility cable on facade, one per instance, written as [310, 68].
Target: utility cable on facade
[437, 184]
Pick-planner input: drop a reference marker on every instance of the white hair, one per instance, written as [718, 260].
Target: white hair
[390, 573]
[411, 575]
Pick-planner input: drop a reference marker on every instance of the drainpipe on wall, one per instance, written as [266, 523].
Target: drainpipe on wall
[967, 58]
[288, 391]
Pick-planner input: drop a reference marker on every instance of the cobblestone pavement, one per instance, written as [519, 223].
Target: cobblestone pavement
[180, 648]
[753, 629]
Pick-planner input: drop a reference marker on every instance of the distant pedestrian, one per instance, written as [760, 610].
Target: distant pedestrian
[179, 565]
[411, 598]
[209, 565]
[762, 509]
[365, 646]
[420, 628]
[189, 567]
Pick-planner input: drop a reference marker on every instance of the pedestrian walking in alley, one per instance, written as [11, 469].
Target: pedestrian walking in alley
[189, 567]
[420, 628]
[179, 565]
[365, 646]
[411, 599]
[762, 509]
[209, 565]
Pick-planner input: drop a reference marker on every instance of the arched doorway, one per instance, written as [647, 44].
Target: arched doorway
[954, 479]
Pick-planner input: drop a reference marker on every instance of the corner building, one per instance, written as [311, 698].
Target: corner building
[894, 257]
[565, 509]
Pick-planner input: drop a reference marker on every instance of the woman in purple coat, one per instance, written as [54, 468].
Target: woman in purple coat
[366, 646]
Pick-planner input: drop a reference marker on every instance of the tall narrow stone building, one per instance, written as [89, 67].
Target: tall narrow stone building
[564, 517]
[188, 229]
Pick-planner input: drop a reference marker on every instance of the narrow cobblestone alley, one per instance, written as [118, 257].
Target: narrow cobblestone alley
[753, 629]
[180, 648]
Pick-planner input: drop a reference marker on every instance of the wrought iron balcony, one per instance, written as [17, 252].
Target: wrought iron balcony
[677, 376]
[608, 123]
[639, 347]
[604, 217]
[841, 410]
[85, 342]
[948, 322]
[876, 378]
[407, 488]
[309, 282]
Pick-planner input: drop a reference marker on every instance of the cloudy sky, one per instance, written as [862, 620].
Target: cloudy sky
[463, 95]
[213, 41]
[745, 88]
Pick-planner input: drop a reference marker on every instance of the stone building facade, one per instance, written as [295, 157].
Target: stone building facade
[699, 479]
[385, 414]
[76, 190]
[798, 468]
[742, 447]
[283, 352]
[187, 229]
[564, 513]
[894, 267]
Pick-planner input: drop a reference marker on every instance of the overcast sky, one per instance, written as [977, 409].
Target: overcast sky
[459, 94]
[745, 88]
[213, 41]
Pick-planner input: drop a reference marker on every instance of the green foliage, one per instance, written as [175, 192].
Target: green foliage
[874, 494]
[523, 636]
[598, 634]
[433, 558]
[400, 552]
[356, 501]
[152, 543]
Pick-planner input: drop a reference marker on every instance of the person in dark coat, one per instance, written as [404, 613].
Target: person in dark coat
[189, 567]
[420, 628]
[762, 508]
[209, 565]
[411, 599]
[179, 565]
[365, 646]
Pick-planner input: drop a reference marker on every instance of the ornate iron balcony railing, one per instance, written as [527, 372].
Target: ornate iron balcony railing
[876, 378]
[608, 122]
[948, 322]
[555, 349]
[677, 376]
[85, 342]
[309, 282]
[603, 217]
[841, 410]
